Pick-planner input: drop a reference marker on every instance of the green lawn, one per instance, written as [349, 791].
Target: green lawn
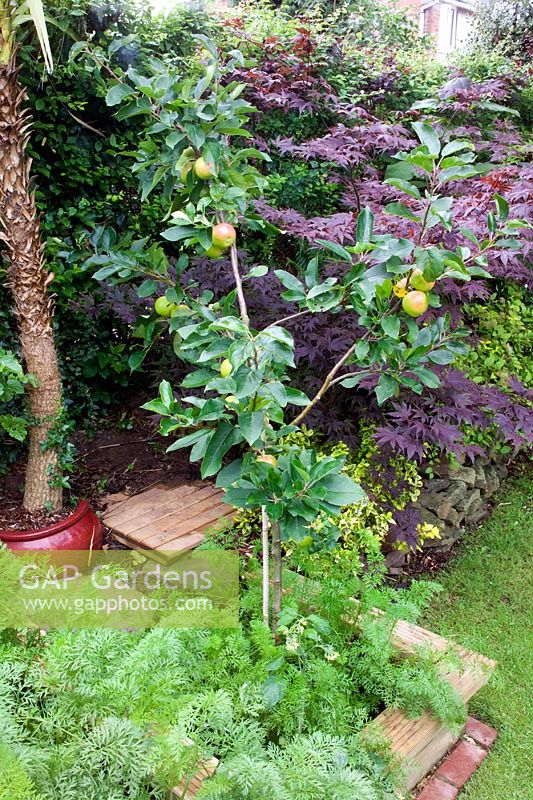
[486, 605]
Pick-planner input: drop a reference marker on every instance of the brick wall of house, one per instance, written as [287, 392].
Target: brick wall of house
[432, 20]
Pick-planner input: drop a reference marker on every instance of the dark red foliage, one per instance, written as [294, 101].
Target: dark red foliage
[436, 418]
[286, 75]
[354, 145]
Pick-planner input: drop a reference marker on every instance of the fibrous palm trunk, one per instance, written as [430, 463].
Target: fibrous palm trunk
[28, 280]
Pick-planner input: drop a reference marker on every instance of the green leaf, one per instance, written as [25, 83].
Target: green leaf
[352, 381]
[427, 136]
[198, 377]
[458, 173]
[391, 326]
[361, 350]
[224, 437]
[177, 232]
[251, 425]
[335, 248]
[274, 689]
[165, 393]
[156, 406]
[232, 324]
[16, 427]
[136, 359]
[387, 387]
[295, 397]
[502, 207]
[288, 280]
[404, 186]
[117, 93]
[365, 225]
[341, 490]
[441, 356]
[147, 288]
[428, 378]
[275, 664]
[257, 272]
[229, 474]
[456, 147]
[500, 109]
[399, 210]
[190, 439]
[311, 273]
[295, 528]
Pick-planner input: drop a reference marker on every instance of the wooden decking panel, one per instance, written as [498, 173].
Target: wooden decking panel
[164, 516]
[168, 519]
[421, 742]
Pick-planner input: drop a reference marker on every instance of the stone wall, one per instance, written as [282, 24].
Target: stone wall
[457, 498]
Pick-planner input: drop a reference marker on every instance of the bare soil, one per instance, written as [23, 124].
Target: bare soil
[123, 455]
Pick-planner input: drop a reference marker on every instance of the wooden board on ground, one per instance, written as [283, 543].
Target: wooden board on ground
[188, 789]
[167, 519]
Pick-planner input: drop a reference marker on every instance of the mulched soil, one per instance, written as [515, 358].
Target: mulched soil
[126, 455]
[15, 518]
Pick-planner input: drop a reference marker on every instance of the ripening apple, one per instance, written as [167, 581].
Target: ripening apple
[268, 459]
[224, 235]
[203, 169]
[415, 303]
[164, 307]
[226, 368]
[214, 252]
[419, 282]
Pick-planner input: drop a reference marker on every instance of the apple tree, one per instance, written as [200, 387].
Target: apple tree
[195, 153]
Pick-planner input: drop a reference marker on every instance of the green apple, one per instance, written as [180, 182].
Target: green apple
[415, 303]
[164, 307]
[214, 252]
[226, 368]
[419, 282]
[203, 169]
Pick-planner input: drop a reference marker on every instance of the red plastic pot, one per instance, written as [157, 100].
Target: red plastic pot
[82, 530]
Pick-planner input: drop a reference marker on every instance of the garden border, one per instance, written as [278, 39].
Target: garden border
[419, 744]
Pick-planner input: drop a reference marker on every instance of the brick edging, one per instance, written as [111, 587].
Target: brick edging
[460, 763]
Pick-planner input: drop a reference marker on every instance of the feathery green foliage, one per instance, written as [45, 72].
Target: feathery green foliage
[109, 714]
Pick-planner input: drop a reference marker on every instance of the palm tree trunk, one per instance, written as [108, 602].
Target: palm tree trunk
[28, 280]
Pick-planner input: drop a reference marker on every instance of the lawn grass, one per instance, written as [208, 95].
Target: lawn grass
[486, 605]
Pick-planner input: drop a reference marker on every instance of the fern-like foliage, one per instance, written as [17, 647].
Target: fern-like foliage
[115, 715]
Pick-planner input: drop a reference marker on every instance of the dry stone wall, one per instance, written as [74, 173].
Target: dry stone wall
[457, 498]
